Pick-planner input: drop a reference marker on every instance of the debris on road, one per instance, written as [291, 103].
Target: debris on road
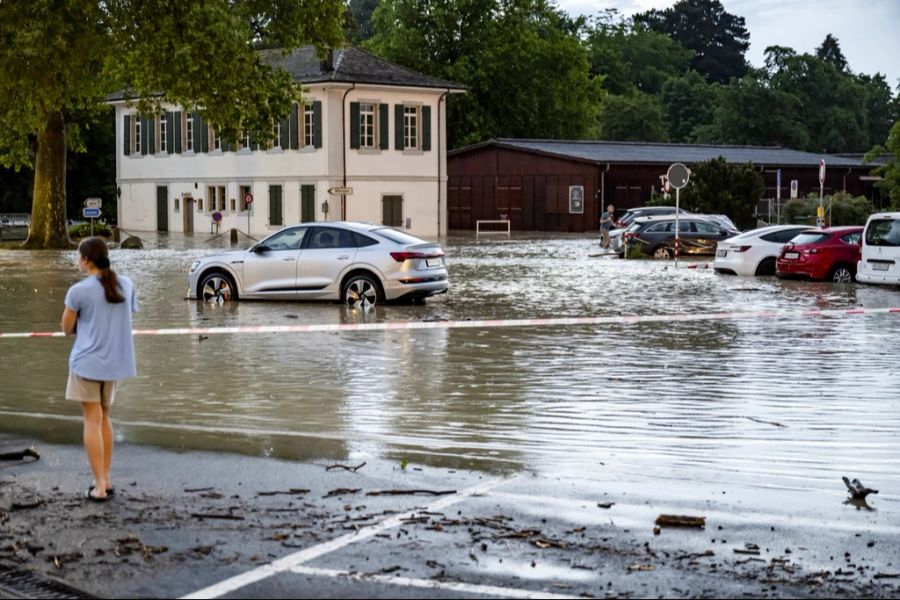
[680, 521]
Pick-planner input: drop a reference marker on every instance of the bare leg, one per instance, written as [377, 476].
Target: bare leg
[93, 444]
[107, 445]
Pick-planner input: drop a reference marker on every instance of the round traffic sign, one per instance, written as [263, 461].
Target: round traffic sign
[678, 175]
[248, 199]
[217, 216]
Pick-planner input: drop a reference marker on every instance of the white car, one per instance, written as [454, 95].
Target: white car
[360, 264]
[880, 253]
[754, 252]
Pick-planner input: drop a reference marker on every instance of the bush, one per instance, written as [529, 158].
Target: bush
[845, 210]
[83, 230]
[635, 251]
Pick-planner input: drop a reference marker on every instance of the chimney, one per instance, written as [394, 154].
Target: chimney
[328, 61]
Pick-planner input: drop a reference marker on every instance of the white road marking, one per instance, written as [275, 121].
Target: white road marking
[432, 584]
[296, 559]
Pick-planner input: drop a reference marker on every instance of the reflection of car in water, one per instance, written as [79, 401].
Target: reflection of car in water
[357, 263]
[697, 234]
[880, 253]
[821, 254]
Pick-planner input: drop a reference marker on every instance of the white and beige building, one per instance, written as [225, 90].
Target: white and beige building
[368, 144]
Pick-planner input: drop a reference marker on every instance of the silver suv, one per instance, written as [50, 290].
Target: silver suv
[360, 264]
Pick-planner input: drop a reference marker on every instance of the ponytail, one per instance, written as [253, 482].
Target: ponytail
[95, 251]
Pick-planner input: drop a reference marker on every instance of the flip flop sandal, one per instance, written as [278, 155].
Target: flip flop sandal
[92, 498]
[109, 491]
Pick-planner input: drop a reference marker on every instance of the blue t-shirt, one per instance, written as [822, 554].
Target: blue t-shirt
[104, 347]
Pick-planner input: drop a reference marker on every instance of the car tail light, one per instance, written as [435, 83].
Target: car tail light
[404, 256]
[739, 249]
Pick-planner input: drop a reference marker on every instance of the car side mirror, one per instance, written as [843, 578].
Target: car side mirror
[261, 249]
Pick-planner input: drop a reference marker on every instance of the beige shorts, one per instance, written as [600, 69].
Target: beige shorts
[79, 389]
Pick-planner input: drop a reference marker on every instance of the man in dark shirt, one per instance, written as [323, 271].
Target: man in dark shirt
[607, 222]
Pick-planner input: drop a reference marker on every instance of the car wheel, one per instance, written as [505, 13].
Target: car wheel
[361, 291]
[766, 267]
[842, 274]
[662, 252]
[217, 288]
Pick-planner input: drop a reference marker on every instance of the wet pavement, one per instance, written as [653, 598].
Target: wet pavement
[751, 421]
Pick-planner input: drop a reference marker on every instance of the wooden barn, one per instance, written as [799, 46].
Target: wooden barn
[557, 185]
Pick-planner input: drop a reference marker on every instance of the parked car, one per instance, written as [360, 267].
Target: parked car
[880, 252]
[698, 234]
[821, 254]
[615, 236]
[755, 252]
[357, 263]
[723, 220]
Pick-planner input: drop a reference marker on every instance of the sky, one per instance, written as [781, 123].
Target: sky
[868, 32]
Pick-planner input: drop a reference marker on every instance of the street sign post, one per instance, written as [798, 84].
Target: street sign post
[91, 213]
[777, 197]
[820, 218]
[248, 200]
[677, 176]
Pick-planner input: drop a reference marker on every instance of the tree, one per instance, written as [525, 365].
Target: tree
[717, 187]
[526, 76]
[59, 60]
[890, 171]
[830, 52]
[689, 104]
[358, 27]
[718, 38]
[636, 117]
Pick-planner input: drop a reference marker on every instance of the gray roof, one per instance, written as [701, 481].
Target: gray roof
[658, 153]
[348, 65]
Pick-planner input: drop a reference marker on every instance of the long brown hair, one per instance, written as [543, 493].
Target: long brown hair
[95, 250]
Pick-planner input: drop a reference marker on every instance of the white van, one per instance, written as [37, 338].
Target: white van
[880, 256]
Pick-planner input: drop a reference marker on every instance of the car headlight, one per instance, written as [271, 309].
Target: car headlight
[195, 265]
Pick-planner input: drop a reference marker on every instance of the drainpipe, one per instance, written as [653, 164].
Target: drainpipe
[344, 144]
[849, 170]
[441, 99]
[603, 188]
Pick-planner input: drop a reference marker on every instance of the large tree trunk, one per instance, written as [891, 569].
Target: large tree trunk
[48, 206]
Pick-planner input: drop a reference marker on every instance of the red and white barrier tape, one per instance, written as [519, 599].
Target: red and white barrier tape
[490, 324]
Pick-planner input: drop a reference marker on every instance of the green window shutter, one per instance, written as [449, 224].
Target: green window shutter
[384, 135]
[145, 137]
[275, 212]
[170, 132]
[204, 136]
[127, 137]
[295, 130]
[317, 124]
[284, 133]
[398, 127]
[398, 211]
[177, 131]
[426, 128]
[386, 210]
[354, 124]
[307, 203]
[197, 126]
[151, 133]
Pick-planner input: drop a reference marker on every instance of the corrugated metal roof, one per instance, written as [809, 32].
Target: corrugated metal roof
[666, 154]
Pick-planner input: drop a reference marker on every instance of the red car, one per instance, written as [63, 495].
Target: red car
[822, 254]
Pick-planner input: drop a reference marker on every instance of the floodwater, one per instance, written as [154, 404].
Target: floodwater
[787, 405]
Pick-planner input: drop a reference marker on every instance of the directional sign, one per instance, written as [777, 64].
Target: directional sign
[93, 202]
[90, 213]
[341, 191]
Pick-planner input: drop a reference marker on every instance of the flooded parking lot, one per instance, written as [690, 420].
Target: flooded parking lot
[786, 405]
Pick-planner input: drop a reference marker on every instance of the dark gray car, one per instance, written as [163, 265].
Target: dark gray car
[698, 235]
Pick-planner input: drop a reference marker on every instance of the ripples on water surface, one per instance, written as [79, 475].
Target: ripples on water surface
[788, 404]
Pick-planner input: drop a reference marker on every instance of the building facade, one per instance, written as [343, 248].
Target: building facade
[368, 144]
[537, 184]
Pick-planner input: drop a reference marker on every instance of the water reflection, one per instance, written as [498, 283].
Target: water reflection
[787, 404]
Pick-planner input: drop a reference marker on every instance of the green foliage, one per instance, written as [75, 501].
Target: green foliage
[637, 117]
[635, 250]
[689, 105]
[844, 210]
[83, 230]
[499, 49]
[889, 172]
[717, 187]
[830, 52]
[718, 38]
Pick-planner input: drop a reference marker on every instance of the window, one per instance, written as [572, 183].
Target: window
[189, 132]
[883, 232]
[137, 134]
[810, 238]
[244, 190]
[398, 237]
[366, 125]
[363, 240]
[781, 237]
[708, 228]
[276, 139]
[214, 137]
[852, 238]
[177, 204]
[233, 203]
[410, 127]
[199, 204]
[211, 198]
[163, 134]
[309, 126]
[245, 143]
[221, 194]
[329, 237]
[660, 228]
[289, 239]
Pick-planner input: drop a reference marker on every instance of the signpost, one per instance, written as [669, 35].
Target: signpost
[217, 218]
[677, 176]
[820, 217]
[777, 197]
[248, 200]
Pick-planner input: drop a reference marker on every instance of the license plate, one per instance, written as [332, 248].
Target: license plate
[722, 253]
[434, 262]
[792, 255]
[880, 267]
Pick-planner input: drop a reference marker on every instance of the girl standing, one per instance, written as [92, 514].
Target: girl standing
[99, 309]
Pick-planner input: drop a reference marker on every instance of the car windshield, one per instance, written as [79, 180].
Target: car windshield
[883, 232]
[810, 238]
[397, 236]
